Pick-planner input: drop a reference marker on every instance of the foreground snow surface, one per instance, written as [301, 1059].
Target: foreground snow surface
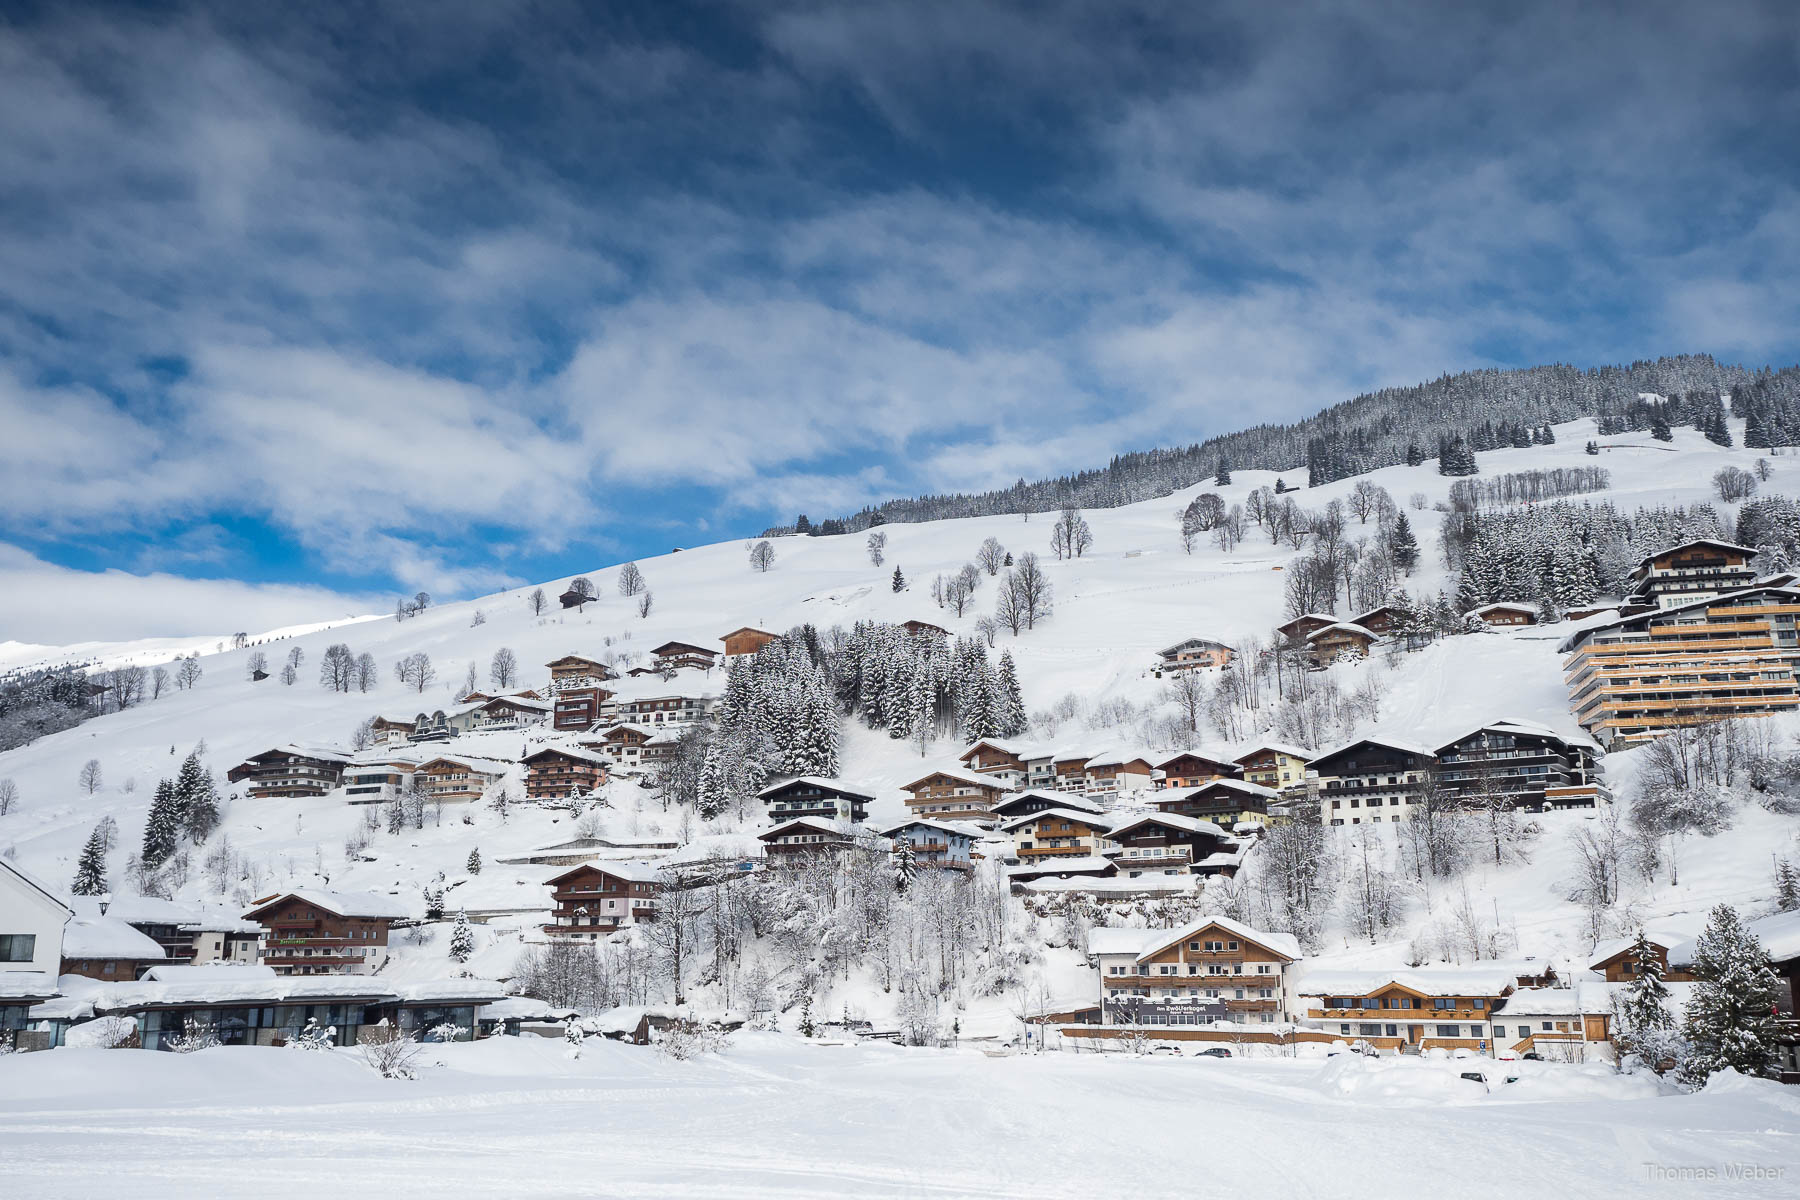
[776, 1116]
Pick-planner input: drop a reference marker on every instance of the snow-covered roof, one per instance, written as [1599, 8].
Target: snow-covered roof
[524, 1008]
[1284, 944]
[475, 763]
[961, 775]
[211, 972]
[1569, 643]
[34, 883]
[1390, 743]
[1223, 783]
[1115, 758]
[106, 937]
[631, 871]
[1251, 748]
[465, 991]
[227, 988]
[1344, 627]
[1482, 979]
[818, 781]
[1220, 757]
[27, 985]
[816, 824]
[1171, 820]
[1073, 864]
[1509, 605]
[626, 727]
[959, 828]
[1609, 947]
[344, 904]
[1122, 941]
[1779, 933]
[579, 753]
[1747, 550]
[716, 847]
[685, 686]
[1583, 998]
[1057, 799]
[1178, 647]
[1528, 728]
[1093, 820]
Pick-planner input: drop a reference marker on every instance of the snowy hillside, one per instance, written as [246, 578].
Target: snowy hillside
[1133, 593]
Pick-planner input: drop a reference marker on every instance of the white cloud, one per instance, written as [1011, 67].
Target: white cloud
[52, 605]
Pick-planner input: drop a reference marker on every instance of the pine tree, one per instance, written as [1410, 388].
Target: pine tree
[1787, 887]
[1592, 447]
[1646, 1027]
[434, 902]
[1659, 429]
[162, 828]
[1403, 547]
[462, 938]
[906, 865]
[1729, 1021]
[474, 866]
[196, 799]
[1549, 436]
[1009, 707]
[1222, 477]
[90, 870]
[899, 580]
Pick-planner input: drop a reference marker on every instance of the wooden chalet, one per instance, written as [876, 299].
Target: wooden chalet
[290, 771]
[794, 842]
[1225, 802]
[924, 628]
[557, 772]
[108, 949]
[589, 901]
[1696, 570]
[1380, 620]
[1214, 969]
[1340, 641]
[458, 780]
[623, 743]
[942, 845]
[314, 932]
[1059, 833]
[810, 796]
[677, 655]
[1020, 804]
[577, 694]
[1166, 843]
[1194, 654]
[1505, 614]
[387, 728]
[1449, 1008]
[1002, 758]
[573, 669]
[953, 794]
[1190, 768]
[1274, 765]
[574, 599]
[1615, 963]
[1371, 779]
[746, 641]
[1305, 625]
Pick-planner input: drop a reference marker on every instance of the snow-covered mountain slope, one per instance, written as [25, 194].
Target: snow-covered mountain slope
[1134, 592]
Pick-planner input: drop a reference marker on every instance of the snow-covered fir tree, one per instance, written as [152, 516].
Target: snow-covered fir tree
[162, 828]
[462, 938]
[474, 863]
[90, 869]
[1729, 1022]
[1646, 1027]
[196, 798]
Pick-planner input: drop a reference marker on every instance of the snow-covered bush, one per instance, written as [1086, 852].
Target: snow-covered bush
[193, 1036]
[314, 1037]
[687, 1039]
[393, 1053]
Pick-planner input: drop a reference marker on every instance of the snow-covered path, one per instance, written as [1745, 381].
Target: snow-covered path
[515, 1117]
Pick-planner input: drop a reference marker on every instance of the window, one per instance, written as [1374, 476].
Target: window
[1449, 1031]
[17, 947]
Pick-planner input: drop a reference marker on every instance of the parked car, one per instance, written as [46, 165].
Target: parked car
[1215, 1052]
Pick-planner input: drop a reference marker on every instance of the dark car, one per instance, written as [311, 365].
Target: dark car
[1215, 1052]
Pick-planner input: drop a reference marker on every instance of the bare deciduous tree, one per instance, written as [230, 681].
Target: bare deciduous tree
[91, 776]
[503, 668]
[414, 670]
[1070, 537]
[537, 602]
[877, 545]
[365, 671]
[631, 579]
[645, 599]
[762, 555]
[991, 556]
[337, 669]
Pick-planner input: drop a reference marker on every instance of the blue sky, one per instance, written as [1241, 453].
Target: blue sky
[303, 309]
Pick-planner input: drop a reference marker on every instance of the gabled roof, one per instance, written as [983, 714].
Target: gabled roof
[1779, 933]
[575, 752]
[483, 766]
[747, 629]
[1283, 944]
[973, 778]
[1162, 764]
[1193, 825]
[1509, 605]
[1480, 980]
[631, 872]
[829, 785]
[1613, 947]
[843, 829]
[1359, 618]
[1303, 618]
[670, 648]
[1193, 641]
[1748, 550]
[1057, 800]
[1095, 821]
[1344, 627]
[1083, 864]
[344, 904]
[1118, 758]
[297, 750]
[1222, 784]
[575, 658]
[1299, 752]
[1567, 644]
[1010, 746]
[951, 827]
[1522, 728]
[1390, 743]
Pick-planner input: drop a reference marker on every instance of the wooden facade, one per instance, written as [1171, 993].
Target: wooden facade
[673, 656]
[458, 780]
[1692, 571]
[1213, 969]
[288, 772]
[1167, 844]
[1059, 833]
[319, 933]
[1371, 780]
[1338, 642]
[1273, 765]
[1503, 615]
[811, 797]
[1191, 769]
[1225, 802]
[592, 900]
[746, 641]
[1194, 654]
[952, 794]
[554, 773]
[1304, 626]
